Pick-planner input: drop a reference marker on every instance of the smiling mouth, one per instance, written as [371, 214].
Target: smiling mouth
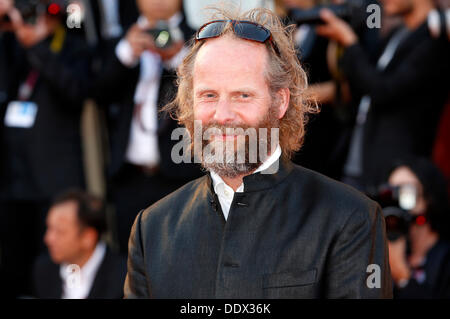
[225, 137]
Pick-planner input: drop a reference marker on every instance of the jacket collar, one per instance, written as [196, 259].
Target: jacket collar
[265, 179]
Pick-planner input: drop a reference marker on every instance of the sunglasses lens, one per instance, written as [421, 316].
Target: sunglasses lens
[251, 31]
[211, 30]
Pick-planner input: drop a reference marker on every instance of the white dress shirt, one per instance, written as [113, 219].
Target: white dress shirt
[80, 288]
[110, 24]
[143, 142]
[226, 194]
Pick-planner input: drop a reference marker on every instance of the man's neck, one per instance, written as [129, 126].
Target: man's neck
[83, 258]
[418, 14]
[235, 182]
[152, 21]
[423, 240]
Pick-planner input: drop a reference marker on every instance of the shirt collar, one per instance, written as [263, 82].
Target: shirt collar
[219, 185]
[89, 269]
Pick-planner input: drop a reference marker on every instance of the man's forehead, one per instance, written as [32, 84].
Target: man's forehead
[228, 48]
[66, 210]
[221, 59]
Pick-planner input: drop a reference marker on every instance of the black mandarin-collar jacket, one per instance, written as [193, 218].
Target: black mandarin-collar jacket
[293, 234]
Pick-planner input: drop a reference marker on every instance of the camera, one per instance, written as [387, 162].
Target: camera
[396, 202]
[352, 11]
[30, 10]
[163, 35]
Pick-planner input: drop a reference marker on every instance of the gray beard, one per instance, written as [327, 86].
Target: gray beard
[230, 169]
[231, 166]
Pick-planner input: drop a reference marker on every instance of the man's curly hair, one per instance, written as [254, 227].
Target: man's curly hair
[283, 71]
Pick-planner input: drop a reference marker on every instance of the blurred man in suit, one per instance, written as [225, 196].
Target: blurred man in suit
[80, 265]
[46, 70]
[137, 79]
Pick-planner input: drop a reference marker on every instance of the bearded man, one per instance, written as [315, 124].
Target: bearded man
[261, 228]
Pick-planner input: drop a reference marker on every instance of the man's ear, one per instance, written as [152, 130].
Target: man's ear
[283, 101]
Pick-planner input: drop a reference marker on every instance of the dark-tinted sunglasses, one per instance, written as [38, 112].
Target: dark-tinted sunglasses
[243, 29]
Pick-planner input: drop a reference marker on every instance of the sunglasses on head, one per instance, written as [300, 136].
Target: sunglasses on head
[246, 30]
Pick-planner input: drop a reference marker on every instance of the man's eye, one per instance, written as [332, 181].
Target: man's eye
[208, 95]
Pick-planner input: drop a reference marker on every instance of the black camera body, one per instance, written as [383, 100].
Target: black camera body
[352, 11]
[397, 222]
[30, 10]
[396, 202]
[163, 35]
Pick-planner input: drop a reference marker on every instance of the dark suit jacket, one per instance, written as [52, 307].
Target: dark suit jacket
[115, 87]
[41, 161]
[108, 283]
[407, 99]
[293, 234]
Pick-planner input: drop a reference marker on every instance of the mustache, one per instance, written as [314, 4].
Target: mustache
[223, 127]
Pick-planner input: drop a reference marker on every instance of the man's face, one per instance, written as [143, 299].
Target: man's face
[63, 236]
[230, 90]
[159, 9]
[301, 4]
[397, 7]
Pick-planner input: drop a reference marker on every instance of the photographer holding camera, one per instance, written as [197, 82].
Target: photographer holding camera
[419, 253]
[396, 100]
[137, 80]
[45, 70]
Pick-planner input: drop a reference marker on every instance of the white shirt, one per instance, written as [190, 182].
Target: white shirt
[80, 287]
[226, 194]
[143, 142]
[109, 10]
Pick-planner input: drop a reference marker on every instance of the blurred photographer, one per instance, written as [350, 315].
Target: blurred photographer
[312, 52]
[397, 98]
[137, 80]
[46, 72]
[418, 229]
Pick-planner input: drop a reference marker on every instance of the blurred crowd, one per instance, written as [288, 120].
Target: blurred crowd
[380, 79]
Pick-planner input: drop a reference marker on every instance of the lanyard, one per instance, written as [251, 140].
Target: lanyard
[26, 89]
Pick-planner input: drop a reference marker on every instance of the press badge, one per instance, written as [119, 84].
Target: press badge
[21, 114]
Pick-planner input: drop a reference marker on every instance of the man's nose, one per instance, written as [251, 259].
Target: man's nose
[224, 113]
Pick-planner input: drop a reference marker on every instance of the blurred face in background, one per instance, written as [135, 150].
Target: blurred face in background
[398, 7]
[159, 9]
[66, 240]
[300, 4]
[404, 176]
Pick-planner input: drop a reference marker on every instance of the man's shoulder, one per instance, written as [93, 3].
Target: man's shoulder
[336, 204]
[44, 263]
[186, 195]
[329, 192]
[114, 261]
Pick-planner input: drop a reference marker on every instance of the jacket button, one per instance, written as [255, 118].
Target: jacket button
[231, 264]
